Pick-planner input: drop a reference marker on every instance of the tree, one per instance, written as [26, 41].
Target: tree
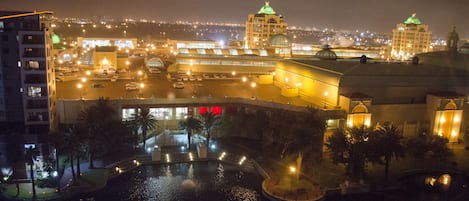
[145, 121]
[385, 143]
[58, 140]
[350, 147]
[190, 124]
[31, 154]
[209, 122]
[425, 145]
[98, 120]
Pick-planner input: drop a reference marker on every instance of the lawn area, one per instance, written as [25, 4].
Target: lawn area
[89, 181]
[26, 192]
[94, 177]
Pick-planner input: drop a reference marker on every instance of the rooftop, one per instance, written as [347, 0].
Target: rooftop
[266, 9]
[413, 20]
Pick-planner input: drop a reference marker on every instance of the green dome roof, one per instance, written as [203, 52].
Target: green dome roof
[266, 9]
[413, 20]
[55, 39]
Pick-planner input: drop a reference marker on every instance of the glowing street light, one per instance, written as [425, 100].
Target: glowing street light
[83, 79]
[140, 73]
[142, 85]
[292, 170]
[233, 73]
[326, 93]
[244, 79]
[88, 73]
[79, 87]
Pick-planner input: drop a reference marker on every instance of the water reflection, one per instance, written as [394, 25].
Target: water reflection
[207, 181]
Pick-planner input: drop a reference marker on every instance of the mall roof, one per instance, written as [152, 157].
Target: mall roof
[413, 20]
[355, 68]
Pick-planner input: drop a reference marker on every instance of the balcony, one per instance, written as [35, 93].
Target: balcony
[38, 116]
[37, 104]
[35, 79]
[34, 52]
[33, 39]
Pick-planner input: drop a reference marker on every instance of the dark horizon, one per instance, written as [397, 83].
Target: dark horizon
[362, 15]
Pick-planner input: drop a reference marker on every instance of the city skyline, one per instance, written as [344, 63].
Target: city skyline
[380, 16]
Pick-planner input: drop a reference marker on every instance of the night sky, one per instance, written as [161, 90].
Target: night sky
[374, 15]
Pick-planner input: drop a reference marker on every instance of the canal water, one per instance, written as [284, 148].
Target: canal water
[200, 181]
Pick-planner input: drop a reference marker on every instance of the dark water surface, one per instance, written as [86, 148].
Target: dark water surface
[201, 181]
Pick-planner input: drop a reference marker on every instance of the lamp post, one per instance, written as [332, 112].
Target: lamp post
[292, 170]
[298, 86]
[326, 93]
[253, 85]
[79, 87]
[142, 85]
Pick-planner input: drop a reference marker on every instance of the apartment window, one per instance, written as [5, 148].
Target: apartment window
[34, 64]
[5, 50]
[2, 26]
[30, 37]
[5, 38]
[34, 91]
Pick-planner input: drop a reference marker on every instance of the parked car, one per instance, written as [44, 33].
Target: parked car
[114, 78]
[216, 76]
[185, 78]
[131, 86]
[178, 85]
[192, 78]
[199, 78]
[98, 85]
[206, 76]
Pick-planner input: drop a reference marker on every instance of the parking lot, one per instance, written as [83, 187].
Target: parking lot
[159, 86]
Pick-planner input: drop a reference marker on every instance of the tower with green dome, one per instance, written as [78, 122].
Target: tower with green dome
[410, 38]
[262, 25]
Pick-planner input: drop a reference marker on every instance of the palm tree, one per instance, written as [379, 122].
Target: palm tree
[190, 124]
[57, 139]
[386, 143]
[146, 121]
[30, 156]
[209, 122]
[350, 147]
[98, 119]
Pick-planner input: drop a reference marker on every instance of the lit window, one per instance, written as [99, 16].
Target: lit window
[34, 91]
[181, 112]
[161, 113]
[128, 113]
[33, 64]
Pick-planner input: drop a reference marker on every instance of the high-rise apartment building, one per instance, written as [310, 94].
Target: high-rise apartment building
[27, 81]
[410, 38]
[261, 26]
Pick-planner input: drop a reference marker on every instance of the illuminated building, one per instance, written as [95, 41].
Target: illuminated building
[410, 38]
[260, 27]
[124, 43]
[28, 90]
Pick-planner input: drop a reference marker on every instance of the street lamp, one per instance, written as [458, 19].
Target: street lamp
[253, 85]
[292, 172]
[298, 86]
[244, 79]
[83, 79]
[326, 93]
[233, 73]
[79, 87]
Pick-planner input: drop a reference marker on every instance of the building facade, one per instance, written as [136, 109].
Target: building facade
[410, 38]
[262, 25]
[27, 87]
